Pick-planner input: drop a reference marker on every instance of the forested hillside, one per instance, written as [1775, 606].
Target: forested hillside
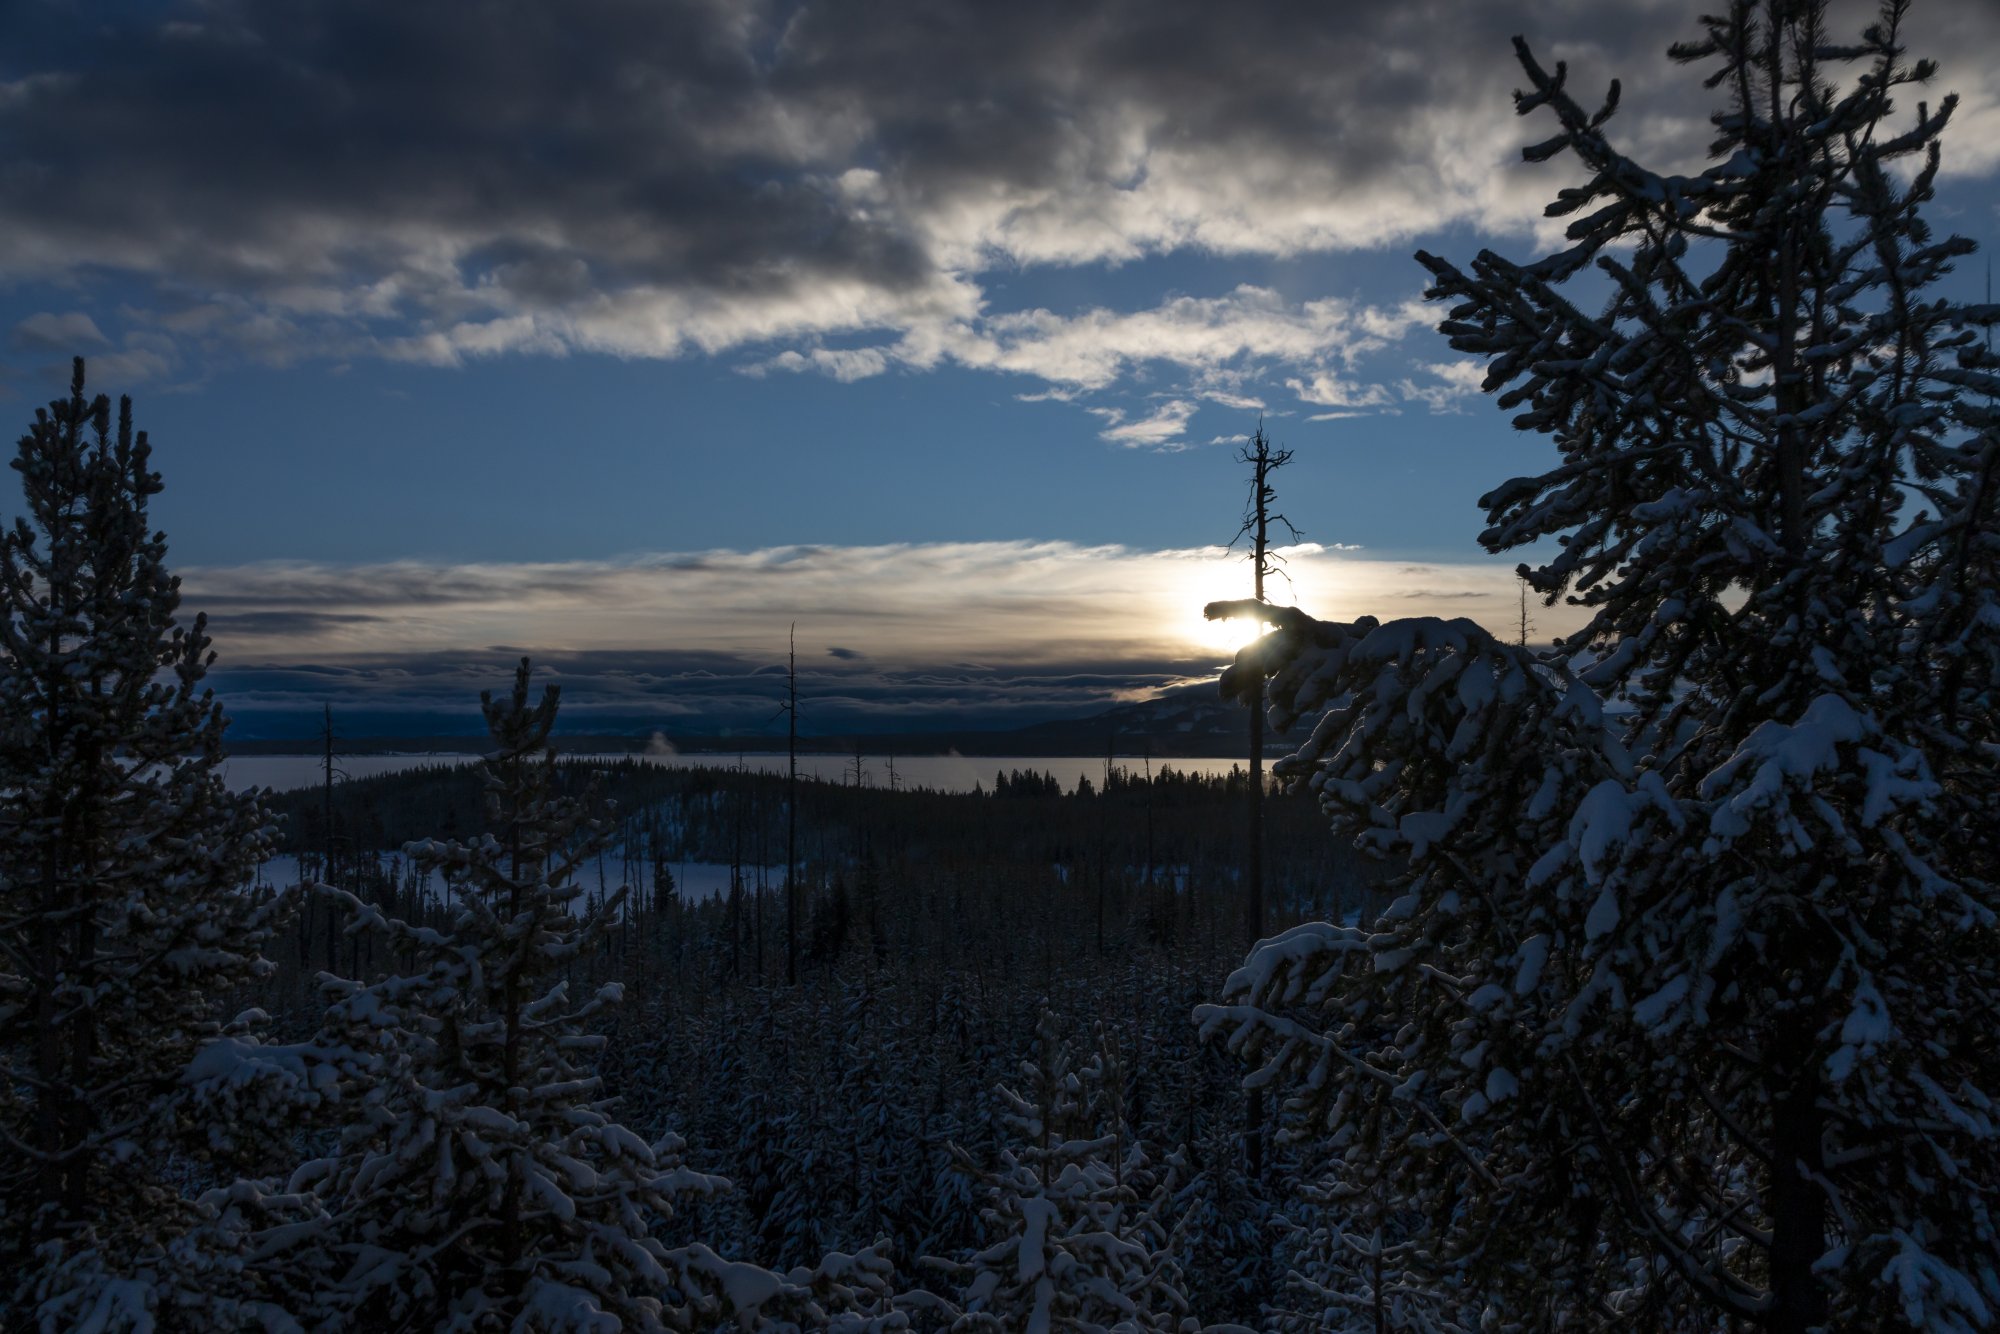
[941, 932]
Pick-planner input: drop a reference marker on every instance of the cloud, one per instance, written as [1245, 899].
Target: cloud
[1095, 348]
[810, 188]
[843, 364]
[1162, 427]
[1014, 602]
[289, 623]
[1329, 389]
[140, 359]
[1964, 39]
[72, 331]
[1241, 402]
[1452, 382]
[946, 632]
[1202, 340]
[367, 177]
[636, 693]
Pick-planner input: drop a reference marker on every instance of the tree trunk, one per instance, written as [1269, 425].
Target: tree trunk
[792, 814]
[1798, 1211]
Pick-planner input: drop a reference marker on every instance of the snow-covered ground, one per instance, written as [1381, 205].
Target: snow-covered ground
[696, 880]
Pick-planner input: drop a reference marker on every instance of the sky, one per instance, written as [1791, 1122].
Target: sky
[628, 334]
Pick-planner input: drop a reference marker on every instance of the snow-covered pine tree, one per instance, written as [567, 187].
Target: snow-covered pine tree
[1075, 1209]
[1686, 1011]
[1223, 1225]
[482, 1182]
[122, 856]
[1357, 1261]
[886, 1149]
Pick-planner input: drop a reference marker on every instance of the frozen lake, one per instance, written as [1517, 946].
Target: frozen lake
[945, 773]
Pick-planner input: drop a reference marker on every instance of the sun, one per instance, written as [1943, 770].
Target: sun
[1215, 581]
[1228, 636]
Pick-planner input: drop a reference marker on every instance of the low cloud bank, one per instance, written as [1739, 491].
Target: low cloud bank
[891, 638]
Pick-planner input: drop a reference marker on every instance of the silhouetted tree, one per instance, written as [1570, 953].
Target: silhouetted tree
[123, 925]
[1683, 1013]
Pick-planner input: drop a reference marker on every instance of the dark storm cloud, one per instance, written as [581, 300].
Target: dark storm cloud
[432, 181]
[596, 123]
[370, 160]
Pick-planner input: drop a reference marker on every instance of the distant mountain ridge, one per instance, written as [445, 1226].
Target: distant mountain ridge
[1190, 720]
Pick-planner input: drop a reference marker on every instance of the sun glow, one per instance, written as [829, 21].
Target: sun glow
[1229, 636]
[1217, 579]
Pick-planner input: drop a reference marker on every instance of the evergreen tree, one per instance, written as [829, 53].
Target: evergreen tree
[482, 1182]
[1075, 1209]
[1223, 1226]
[123, 927]
[1359, 1263]
[1686, 1010]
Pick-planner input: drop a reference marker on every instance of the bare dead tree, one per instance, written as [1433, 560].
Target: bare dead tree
[328, 772]
[790, 709]
[1257, 520]
[1258, 517]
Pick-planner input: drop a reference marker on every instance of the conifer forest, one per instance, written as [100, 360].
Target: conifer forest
[1644, 980]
